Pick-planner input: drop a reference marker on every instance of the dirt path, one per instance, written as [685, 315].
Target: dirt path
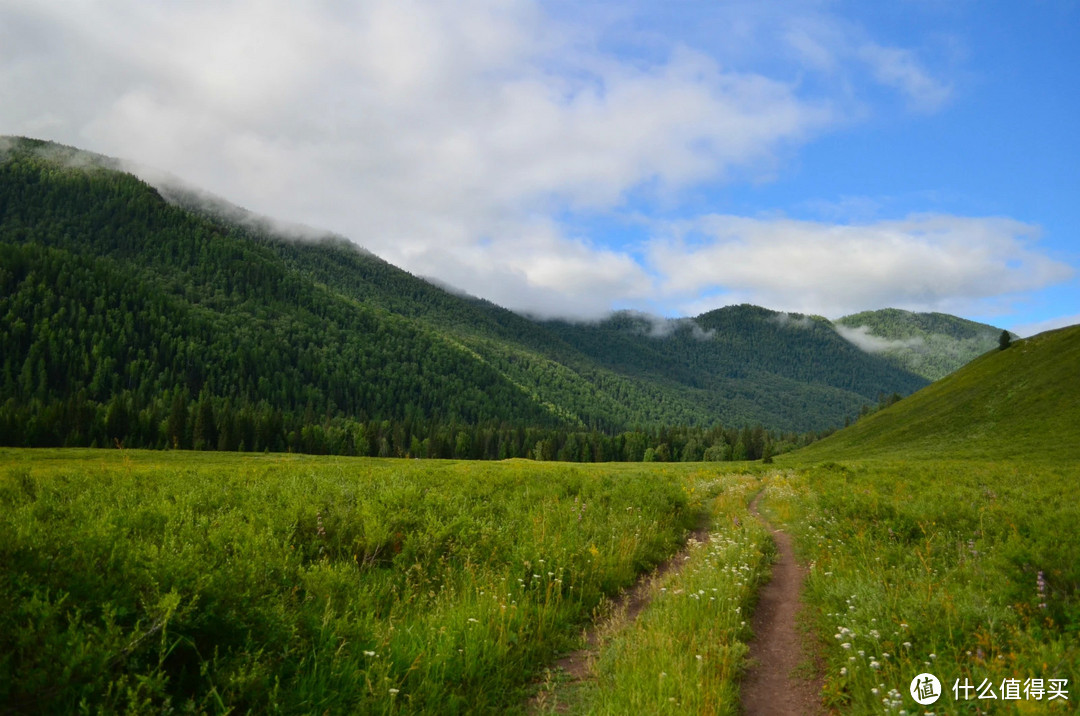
[624, 610]
[771, 687]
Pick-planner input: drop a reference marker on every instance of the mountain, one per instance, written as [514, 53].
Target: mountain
[929, 344]
[159, 316]
[743, 363]
[1022, 402]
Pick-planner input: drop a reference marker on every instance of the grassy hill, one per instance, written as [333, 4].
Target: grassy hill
[929, 344]
[1022, 402]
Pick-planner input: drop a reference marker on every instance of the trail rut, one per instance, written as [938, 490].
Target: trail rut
[625, 609]
[771, 686]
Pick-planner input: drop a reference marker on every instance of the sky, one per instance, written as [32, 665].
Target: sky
[569, 158]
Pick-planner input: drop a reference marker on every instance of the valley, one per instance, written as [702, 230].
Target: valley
[242, 472]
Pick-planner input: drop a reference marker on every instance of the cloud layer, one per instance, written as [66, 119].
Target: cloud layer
[924, 263]
[454, 139]
[864, 339]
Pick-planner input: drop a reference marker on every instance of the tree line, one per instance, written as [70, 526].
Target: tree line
[177, 420]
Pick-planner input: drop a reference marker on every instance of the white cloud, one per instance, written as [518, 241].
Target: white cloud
[450, 139]
[901, 69]
[923, 263]
[441, 136]
[864, 339]
[1031, 329]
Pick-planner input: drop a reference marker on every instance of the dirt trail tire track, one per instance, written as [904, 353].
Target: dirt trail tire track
[625, 608]
[771, 686]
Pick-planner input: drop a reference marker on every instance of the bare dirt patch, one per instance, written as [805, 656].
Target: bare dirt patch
[772, 686]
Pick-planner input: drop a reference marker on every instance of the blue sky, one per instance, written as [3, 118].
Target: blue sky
[568, 158]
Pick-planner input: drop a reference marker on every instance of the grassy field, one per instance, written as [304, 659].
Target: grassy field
[969, 571]
[144, 581]
[687, 651]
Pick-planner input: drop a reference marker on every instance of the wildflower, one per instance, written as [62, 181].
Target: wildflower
[846, 645]
[473, 621]
[394, 692]
[843, 671]
[933, 657]
[369, 653]
[875, 665]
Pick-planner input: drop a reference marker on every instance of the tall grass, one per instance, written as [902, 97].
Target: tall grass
[686, 652]
[141, 582]
[964, 570]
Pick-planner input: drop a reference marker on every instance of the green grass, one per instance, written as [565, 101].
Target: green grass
[222, 583]
[686, 652]
[1022, 403]
[934, 567]
[944, 532]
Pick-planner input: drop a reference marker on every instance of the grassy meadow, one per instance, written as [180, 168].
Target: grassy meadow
[966, 570]
[687, 651]
[216, 583]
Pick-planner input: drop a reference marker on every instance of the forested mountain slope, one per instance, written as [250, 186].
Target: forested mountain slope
[929, 344]
[744, 362]
[129, 315]
[760, 367]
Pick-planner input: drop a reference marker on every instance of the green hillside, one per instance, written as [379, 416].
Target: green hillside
[1022, 402]
[159, 318]
[929, 344]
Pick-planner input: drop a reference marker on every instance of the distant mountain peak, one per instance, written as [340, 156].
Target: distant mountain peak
[929, 344]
